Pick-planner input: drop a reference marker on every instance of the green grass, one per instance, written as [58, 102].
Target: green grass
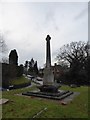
[27, 107]
[20, 80]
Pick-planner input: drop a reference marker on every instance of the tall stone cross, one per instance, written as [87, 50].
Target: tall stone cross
[48, 74]
[48, 53]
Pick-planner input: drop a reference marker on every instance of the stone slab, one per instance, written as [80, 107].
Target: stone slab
[49, 88]
[3, 101]
[71, 97]
[49, 96]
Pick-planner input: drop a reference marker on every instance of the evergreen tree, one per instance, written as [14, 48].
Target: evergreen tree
[13, 57]
[35, 68]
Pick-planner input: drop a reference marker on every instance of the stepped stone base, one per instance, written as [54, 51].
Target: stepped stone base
[56, 96]
[49, 88]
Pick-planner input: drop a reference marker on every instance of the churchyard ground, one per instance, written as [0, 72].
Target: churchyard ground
[20, 106]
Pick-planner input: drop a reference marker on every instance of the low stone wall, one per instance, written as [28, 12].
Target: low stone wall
[10, 72]
[20, 86]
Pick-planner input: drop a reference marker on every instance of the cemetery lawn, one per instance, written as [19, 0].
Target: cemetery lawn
[26, 106]
[20, 80]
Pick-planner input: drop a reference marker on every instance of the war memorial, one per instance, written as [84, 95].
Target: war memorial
[49, 89]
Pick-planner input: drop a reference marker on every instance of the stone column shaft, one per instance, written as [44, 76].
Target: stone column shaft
[48, 74]
[48, 54]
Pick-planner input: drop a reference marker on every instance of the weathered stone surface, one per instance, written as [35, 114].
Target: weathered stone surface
[56, 96]
[48, 52]
[48, 74]
[3, 101]
[49, 88]
[48, 77]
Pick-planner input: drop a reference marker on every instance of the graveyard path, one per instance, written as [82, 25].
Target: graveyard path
[33, 82]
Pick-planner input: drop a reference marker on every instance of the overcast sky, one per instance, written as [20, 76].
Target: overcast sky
[25, 26]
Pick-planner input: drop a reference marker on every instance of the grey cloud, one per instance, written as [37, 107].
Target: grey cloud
[50, 19]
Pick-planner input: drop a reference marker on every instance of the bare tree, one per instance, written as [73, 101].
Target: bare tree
[3, 49]
[72, 53]
[5, 60]
[3, 46]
